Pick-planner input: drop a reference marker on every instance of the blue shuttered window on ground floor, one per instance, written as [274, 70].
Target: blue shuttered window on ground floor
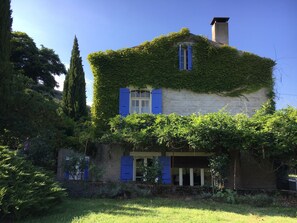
[127, 169]
[78, 174]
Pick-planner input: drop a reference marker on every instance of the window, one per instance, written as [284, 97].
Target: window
[76, 168]
[140, 166]
[140, 101]
[185, 57]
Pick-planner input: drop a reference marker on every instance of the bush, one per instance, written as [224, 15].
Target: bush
[227, 195]
[25, 189]
[80, 189]
[258, 200]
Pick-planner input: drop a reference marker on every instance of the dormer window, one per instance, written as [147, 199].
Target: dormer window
[185, 57]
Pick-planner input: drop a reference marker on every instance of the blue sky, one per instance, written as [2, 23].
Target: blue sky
[264, 27]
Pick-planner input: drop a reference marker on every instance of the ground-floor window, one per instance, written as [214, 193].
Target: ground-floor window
[140, 166]
[190, 170]
[76, 167]
[191, 176]
[179, 170]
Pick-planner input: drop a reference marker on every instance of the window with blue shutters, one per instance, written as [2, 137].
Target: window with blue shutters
[76, 168]
[185, 57]
[140, 101]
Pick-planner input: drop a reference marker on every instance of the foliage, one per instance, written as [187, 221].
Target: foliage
[41, 65]
[25, 189]
[6, 76]
[80, 189]
[265, 135]
[216, 69]
[96, 172]
[219, 166]
[211, 132]
[274, 135]
[33, 115]
[152, 173]
[227, 195]
[74, 97]
[42, 150]
[75, 166]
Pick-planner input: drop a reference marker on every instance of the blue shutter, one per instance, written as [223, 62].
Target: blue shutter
[189, 57]
[124, 102]
[181, 57]
[126, 168]
[157, 101]
[66, 172]
[165, 162]
[66, 175]
[86, 171]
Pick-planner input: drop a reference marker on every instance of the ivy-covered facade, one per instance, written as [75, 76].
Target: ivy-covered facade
[174, 74]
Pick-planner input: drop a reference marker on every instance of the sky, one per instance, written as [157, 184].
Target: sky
[263, 27]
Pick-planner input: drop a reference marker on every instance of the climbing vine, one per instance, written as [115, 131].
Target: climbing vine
[216, 69]
[264, 135]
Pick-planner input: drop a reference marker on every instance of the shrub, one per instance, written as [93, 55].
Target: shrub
[152, 173]
[258, 200]
[80, 189]
[25, 189]
[227, 195]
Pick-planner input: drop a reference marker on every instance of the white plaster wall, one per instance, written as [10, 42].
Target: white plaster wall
[184, 102]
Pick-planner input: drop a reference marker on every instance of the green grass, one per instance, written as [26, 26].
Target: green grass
[161, 210]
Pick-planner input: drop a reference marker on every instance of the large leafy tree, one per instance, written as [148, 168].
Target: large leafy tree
[41, 65]
[74, 94]
[5, 66]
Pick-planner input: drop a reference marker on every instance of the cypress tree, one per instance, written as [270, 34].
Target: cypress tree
[5, 65]
[74, 93]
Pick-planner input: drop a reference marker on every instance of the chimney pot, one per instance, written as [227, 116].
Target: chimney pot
[220, 32]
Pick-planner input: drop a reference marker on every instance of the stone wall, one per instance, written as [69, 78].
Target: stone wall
[185, 102]
[108, 158]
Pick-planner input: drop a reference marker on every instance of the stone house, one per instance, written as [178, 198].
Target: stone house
[187, 76]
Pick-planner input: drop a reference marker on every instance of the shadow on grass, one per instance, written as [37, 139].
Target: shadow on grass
[78, 208]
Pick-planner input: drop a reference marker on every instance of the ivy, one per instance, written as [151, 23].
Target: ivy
[216, 69]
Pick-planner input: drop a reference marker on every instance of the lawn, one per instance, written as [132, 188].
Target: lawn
[161, 210]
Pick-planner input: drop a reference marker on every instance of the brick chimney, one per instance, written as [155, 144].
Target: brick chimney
[220, 33]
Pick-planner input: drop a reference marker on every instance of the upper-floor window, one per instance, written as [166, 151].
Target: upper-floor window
[185, 57]
[140, 101]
